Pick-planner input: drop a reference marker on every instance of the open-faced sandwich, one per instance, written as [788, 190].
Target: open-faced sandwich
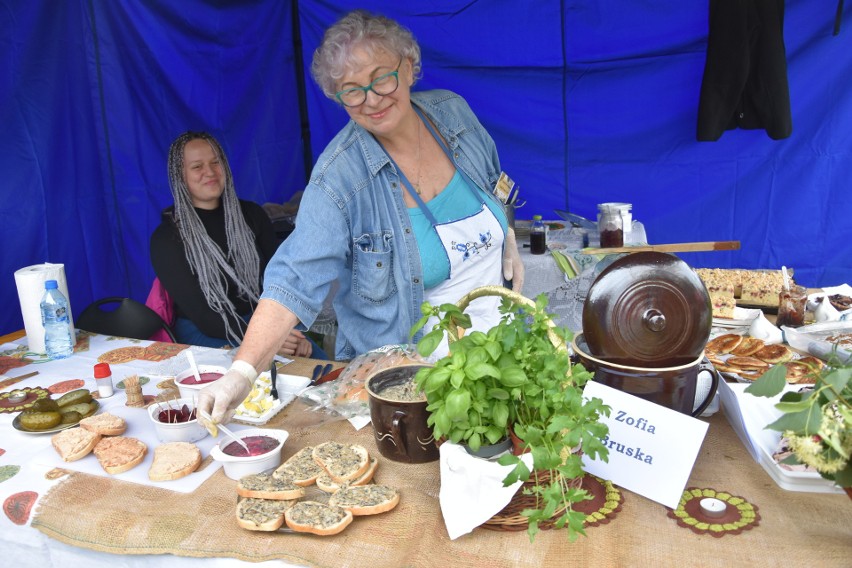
[317, 518]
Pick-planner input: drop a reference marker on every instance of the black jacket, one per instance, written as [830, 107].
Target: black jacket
[745, 74]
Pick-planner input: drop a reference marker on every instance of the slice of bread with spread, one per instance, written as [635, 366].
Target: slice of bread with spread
[300, 467]
[118, 454]
[327, 484]
[343, 462]
[365, 499]
[74, 443]
[317, 518]
[261, 514]
[174, 460]
[267, 486]
[105, 424]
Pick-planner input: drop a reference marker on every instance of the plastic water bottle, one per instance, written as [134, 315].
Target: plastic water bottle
[54, 316]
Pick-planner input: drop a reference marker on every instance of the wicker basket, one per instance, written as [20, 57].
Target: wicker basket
[510, 518]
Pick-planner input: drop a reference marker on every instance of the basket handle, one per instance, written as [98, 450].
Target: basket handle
[515, 297]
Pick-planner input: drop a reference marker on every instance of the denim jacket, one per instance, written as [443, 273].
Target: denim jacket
[353, 226]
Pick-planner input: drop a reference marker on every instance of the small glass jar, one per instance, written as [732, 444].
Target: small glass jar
[611, 227]
[103, 378]
[538, 236]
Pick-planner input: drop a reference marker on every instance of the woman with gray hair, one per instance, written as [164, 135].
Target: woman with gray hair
[400, 209]
[211, 248]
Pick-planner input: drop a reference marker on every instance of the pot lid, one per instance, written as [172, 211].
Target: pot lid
[647, 309]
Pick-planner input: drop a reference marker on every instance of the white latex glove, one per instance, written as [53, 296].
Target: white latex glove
[513, 267]
[296, 345]
[220, 399]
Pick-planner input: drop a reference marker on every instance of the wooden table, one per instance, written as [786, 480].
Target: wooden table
[100, 517]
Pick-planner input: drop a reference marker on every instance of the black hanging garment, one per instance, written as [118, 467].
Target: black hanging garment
[745, 74]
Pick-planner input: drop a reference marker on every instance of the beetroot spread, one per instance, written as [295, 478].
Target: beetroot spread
[257, 445]
[205, 378]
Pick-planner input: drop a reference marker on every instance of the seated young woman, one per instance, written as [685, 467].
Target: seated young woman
[211, 249]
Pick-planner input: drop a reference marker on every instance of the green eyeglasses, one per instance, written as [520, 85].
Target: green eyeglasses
[381, 85]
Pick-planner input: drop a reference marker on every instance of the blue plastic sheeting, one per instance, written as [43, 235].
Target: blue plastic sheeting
[588, 101]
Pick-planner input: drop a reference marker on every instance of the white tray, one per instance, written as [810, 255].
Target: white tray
[748, 415]
[288, 388]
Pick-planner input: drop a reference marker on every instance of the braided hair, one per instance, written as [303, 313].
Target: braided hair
[206, 259]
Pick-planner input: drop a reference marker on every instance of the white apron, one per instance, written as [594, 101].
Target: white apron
[474, 248]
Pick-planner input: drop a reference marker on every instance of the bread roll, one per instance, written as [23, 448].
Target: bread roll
[327, 484]
[300, 467]
[105, 424]
[343, 462]
[261, 514]
[174, 460]
[317, 518]
[74, 443]
[119, 454]
[365, 499]
[266, 486]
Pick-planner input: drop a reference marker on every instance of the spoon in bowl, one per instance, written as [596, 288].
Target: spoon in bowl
[207, 421]
[191, 358]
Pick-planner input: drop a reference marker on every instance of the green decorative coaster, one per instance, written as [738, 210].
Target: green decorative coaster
[605, 504]
[739, 515]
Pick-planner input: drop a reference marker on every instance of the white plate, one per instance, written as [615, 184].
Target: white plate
[742, 318]
[288, 387]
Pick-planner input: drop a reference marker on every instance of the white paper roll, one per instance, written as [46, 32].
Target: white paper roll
[30, 282]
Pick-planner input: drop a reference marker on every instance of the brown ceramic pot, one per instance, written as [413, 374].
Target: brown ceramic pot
[400, 426]
[672, 387]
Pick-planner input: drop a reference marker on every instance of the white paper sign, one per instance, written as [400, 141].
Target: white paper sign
[651, 448]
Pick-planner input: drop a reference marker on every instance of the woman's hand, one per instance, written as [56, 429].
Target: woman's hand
[220, 399]
[296, 345]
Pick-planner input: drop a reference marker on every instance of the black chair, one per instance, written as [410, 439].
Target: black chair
[128, 319]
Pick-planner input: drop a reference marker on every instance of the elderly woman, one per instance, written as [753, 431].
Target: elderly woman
[211, 248]
[400, 209]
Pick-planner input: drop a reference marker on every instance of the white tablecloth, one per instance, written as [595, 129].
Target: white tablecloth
[23, 546]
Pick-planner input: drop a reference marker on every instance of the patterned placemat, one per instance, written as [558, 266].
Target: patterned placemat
[605, 504]
[740, 515]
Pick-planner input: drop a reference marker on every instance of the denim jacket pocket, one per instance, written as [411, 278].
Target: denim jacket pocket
[372, 266]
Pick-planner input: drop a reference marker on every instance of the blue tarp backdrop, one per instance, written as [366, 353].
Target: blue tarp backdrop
[587, 100]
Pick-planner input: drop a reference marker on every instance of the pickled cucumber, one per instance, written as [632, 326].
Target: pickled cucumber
[31, 420]
[45, 405]
[71, 417]
[74, 397]
[84, 408]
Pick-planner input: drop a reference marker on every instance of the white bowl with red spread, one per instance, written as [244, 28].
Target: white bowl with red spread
[175, 421]
[264, 444]
[189, 386]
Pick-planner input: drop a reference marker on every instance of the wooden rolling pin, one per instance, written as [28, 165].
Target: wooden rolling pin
[674, 247]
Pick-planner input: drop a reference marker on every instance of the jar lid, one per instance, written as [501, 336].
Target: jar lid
[647, 309]
[623, 207]
[102, 370]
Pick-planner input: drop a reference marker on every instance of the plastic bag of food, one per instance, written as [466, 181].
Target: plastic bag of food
[347, 394]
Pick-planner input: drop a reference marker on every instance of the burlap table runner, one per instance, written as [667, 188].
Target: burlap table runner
[796, 529]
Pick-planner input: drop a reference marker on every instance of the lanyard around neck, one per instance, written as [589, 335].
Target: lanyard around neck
[411, 191]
